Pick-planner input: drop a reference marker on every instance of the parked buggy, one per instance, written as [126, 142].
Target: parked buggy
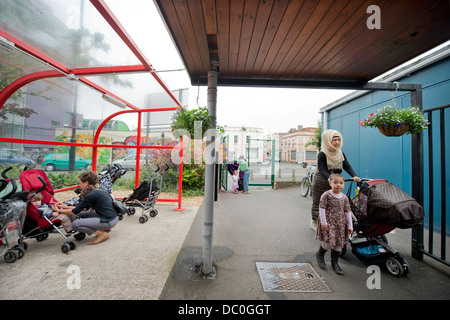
[36, 224]
[378, 208]
[12, 216]
[146, 195]
[106, 178]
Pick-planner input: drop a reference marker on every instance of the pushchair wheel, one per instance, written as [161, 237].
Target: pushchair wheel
[80, 236]
[143, 219]
[11, 256]
[153, 213]
[20, 251]
[42, 237]
[23, 244]
[395, 267]
[131, 211]
[65, 248]
[72, 245]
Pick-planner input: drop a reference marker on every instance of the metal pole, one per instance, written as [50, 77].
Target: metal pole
[208, 269]
[417, 176]
[272, 176]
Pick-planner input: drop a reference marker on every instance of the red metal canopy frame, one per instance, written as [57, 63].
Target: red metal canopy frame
[61, 70]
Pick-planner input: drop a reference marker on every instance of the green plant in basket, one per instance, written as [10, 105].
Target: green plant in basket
[395, 121]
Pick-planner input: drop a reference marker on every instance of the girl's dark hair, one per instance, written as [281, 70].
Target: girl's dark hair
[335, 175]
[89, 176]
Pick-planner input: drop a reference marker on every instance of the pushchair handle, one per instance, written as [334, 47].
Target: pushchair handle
[157, 168]
[44, 184]
[3, 184]
[5, 171]
[13, 181]
[167, 167]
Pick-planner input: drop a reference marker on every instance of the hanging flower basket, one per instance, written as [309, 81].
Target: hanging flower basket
[394, 131]
[393, 121]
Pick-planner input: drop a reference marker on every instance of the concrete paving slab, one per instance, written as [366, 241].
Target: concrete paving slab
[133, 263]
[274, 226]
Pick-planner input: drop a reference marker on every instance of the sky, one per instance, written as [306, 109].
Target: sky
[273, 109]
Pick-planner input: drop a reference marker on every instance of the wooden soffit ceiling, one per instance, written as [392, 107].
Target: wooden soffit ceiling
[301, 42]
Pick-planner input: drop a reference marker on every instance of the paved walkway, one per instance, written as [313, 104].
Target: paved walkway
[157, 260]
[133, 264]
[273, 226]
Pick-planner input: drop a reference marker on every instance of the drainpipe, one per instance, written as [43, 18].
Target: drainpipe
[208, 270]
[325, 121]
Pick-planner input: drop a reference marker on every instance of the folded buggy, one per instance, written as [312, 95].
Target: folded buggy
[36, 224]
[12, 215]
[109, 175]
[378, 208]
[146, 195]
[106, 178]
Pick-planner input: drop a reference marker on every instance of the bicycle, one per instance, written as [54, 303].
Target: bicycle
[306, 184]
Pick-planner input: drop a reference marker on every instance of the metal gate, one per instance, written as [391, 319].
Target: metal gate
[224, 166]
[262, 168]
[435, 240]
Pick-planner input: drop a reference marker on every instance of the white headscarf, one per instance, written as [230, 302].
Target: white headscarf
[335, 157]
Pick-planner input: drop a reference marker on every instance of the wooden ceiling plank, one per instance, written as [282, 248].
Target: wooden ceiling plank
[209, 15]
[276, 16]
[262, 17]
[329, 34]
[292, 36]
[236, 14]
[250, 10]
[286, 25]
[379, 44]
[339, 41]
[423, 23]
[198, 23]
[223, 18]
[320, 10]
[322, 30]
[184, 17]
[359, 37]
[169, 12]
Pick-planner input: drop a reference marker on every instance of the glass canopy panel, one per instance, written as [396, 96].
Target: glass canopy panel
[139, 89]
[15, 64]
[71, 32]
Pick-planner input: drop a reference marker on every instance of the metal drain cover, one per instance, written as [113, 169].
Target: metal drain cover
[290, 277]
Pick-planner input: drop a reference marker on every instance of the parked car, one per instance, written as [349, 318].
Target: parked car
[129, 162]
[60, 161]
[8, 158]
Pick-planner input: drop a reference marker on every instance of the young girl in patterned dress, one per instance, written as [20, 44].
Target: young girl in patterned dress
[334, 223]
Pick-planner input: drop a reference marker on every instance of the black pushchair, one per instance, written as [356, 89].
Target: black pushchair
[378, 208]
[146, 195]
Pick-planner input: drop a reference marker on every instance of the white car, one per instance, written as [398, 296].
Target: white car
[129, 162]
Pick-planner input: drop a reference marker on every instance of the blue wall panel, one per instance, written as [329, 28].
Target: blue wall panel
[373, 155]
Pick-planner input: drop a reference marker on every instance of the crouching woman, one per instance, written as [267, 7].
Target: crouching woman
[95, 208]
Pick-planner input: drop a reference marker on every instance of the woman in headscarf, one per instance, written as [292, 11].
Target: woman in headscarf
[330, 160]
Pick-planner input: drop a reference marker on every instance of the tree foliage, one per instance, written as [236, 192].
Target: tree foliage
[185, 119]
[316, 140]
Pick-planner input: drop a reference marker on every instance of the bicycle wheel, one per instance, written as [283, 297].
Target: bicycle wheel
[304, 186]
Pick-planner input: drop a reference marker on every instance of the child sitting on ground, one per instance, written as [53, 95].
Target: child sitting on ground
[51, 213]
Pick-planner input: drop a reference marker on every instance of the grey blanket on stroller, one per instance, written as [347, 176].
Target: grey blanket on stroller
[387, 205]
